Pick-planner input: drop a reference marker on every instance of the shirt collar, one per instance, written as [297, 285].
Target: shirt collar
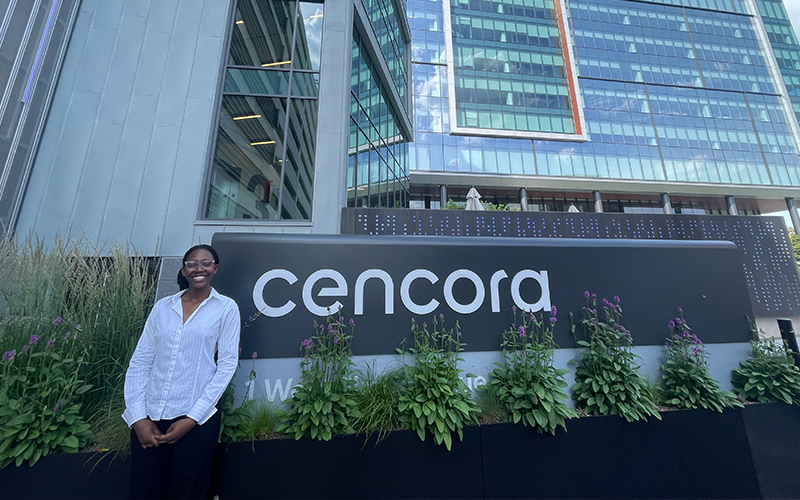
[176, 299]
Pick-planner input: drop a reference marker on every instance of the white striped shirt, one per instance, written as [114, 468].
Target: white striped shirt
[172, 372]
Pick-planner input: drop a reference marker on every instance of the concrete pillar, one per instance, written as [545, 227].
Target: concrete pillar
[665, 203]
[598, 202]
[333, 132]
[731, 202]
[442, 196]
[523, 199]
[793, 214]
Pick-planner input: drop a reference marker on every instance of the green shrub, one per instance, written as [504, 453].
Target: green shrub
[40, 390]
[527, 384]
[687, 380]
[378, 400]
[768, 375]
[436, 400]
[607, 378]
[324, 402]
[490, 409]
[107, 291]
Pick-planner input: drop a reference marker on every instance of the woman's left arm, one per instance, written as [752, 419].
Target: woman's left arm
[227, 359]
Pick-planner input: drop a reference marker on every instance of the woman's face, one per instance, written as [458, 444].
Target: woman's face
[199, 268]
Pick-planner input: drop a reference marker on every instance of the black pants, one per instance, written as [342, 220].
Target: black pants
[181, 470]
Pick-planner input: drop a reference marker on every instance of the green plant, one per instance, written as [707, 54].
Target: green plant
[795, 240]
[607, 378]
[378, 398]
[39, 393]
[235, 422]
[490, 409]
[452, 205]
[107, 291]
[530, 388]
[769, 374]
[687, 379]
[436, 399]
[324, 402]
[265, 418]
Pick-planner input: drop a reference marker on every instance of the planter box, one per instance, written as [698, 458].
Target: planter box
[741, 453]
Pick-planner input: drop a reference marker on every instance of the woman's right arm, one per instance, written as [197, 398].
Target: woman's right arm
[139, 372]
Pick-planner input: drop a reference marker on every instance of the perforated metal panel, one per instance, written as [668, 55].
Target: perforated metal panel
[767, 257]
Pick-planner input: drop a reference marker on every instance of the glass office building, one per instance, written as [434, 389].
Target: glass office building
[673, 95]
[170, 121]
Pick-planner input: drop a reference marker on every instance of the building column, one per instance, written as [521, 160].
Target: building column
[523, 199]
[333, 132]
[665, 203]
[790, 204]
[598, 202]
[731, 202]
[442, 196]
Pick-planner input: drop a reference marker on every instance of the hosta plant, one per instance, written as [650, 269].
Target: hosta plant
[687, 380]
[607, 378]
[769, 374]
[39, 390]
[529, 387]
[436, 399]
[324, 402]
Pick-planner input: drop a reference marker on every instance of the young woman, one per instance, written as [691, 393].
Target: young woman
[173, 383]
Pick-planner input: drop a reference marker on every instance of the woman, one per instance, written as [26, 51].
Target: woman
[173, 383]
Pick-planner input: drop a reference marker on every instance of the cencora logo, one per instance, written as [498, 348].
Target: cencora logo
[317, 307]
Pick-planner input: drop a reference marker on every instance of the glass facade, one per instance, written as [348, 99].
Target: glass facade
[385, 23]
[784, 45]
[263, 164]
[377, 170]
[672, 91]
[511, 67]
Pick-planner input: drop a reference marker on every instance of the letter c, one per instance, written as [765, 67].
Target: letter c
[258, 293]
[406, 296]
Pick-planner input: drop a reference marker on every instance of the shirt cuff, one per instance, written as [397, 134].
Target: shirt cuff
[133, 415]
[200, 416]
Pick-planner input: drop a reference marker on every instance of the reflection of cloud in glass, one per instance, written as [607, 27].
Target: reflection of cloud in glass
[311, 14]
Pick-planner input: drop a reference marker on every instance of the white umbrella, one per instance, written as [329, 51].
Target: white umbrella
[474, 200]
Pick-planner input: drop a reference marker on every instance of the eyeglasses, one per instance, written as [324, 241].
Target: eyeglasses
[193, 264]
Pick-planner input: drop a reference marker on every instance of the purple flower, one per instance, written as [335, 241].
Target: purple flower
[306, 343]
[9, 355]
[255, 355]
[521, 332]
[441, 316]
[335, 340]
[352, 322]
[77, 336]
[594, 295]
[413, 320]
[671, 324]
[66, 335]
[424, 326]
[330, 328]
[77, 327]
[33, 340]
[25, 348]
[315, 323]
[570, 314]
[514, 308]
[51, 343]
[680, 310]
[341, 319]
[459, 334]
[553, 320]
[586, 294]
[57, 321]
[616, 299]
[328, 308]
[553, 311]
[340, 307]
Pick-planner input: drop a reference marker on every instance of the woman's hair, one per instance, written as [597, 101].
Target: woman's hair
[182, 282]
